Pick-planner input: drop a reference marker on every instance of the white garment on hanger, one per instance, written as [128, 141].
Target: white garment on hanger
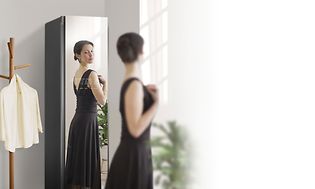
[20, 119]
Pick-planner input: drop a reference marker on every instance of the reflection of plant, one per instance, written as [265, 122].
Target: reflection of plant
[102, 120]
[171, 156]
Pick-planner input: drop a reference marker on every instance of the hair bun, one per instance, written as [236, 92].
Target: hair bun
[75, 57]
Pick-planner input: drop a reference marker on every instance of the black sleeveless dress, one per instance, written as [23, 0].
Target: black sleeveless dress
[83, 151]
[131, 166]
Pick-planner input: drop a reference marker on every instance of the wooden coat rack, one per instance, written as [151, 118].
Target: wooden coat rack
[11, 73]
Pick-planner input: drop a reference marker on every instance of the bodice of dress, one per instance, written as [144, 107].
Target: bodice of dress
[147, 102]
[86, 102]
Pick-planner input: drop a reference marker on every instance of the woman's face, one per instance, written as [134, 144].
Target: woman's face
[87, 54]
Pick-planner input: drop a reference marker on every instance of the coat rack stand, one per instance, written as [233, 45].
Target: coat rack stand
[11, 73]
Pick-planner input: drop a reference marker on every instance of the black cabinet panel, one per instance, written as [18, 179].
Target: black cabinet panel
[54, 103]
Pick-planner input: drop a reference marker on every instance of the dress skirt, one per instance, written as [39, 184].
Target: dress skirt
[83, 159]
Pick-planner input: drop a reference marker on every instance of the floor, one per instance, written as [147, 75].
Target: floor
[104, 167]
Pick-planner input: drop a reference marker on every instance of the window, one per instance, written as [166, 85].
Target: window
[154, 30]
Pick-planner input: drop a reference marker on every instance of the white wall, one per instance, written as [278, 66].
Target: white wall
[243, 81]
[191, 69]
[264, 93]
[25, 21]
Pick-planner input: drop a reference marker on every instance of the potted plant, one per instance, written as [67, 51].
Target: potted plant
[171, 156]
[102, 119]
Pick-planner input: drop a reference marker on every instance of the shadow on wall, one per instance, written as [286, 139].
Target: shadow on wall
[30, 161]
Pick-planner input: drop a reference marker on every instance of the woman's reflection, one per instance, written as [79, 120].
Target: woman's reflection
[83, 151]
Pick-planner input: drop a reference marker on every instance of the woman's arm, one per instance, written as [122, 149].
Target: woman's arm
[104, 87]
[98, 91]
[136, 121]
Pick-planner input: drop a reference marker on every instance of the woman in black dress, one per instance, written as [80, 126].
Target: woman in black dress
[131, 166]
[83, 153]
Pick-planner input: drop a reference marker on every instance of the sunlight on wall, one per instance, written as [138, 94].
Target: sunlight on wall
[154, 30]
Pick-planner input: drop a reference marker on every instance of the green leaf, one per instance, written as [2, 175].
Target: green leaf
[171, 156]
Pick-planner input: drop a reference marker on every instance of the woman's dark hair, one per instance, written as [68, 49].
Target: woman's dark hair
[129, 46]
[78, 47]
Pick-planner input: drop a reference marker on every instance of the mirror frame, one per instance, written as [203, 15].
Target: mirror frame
[55, 105]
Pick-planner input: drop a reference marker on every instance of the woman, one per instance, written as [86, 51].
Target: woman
[83, 154]
[131, 167]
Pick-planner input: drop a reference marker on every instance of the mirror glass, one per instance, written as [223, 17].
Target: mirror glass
[85, 138]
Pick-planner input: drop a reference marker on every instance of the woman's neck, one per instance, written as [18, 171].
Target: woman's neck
[84, 66]
[132, 70]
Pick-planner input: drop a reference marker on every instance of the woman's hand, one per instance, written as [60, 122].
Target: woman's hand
[101, 79]
[153, 90]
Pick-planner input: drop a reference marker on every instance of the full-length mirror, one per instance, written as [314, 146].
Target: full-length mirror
[86, 48]
[76, 116]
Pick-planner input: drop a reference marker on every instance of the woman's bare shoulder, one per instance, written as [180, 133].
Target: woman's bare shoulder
[93, 75]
